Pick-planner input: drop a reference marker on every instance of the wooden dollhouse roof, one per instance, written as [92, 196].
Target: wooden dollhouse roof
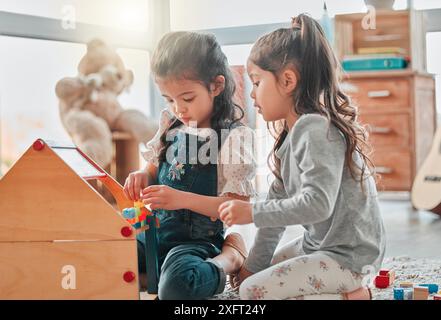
[45, 197]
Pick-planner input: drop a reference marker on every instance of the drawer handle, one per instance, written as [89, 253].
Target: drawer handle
[349, 87]
[381, 130]
[383, 170]
[379, 94]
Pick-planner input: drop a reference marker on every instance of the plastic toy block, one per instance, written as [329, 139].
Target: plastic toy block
[388, 273]
[420, 293]
[381, 282]
[437, 297]
[406, 285]
[433, 288]
[145, 211]
[137, 225]
[131, 221]
[408, 294]
[384, 272]
[137, 211]
[138, 204]
[391, 275]
[129, 213]
[403, 294]
[398, 293]
[142, 217]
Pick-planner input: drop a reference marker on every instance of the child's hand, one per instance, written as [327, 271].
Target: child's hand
[163, 197]
[238, 278]
[135, 182]
[235, 212]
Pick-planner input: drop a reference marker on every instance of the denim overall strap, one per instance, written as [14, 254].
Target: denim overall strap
[184, 173]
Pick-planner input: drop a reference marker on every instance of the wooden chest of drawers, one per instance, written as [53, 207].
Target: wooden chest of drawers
[398, 109]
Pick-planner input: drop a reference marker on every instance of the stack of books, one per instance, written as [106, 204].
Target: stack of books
[380, 58]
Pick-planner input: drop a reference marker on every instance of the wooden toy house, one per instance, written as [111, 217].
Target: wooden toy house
[59, 238]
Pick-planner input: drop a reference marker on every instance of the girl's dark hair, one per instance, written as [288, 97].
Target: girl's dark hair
[197, 56]
[305, 48]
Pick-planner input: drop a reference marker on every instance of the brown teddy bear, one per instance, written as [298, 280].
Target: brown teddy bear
[89, 107]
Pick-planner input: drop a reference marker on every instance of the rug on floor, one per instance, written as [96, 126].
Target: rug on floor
[417, 271]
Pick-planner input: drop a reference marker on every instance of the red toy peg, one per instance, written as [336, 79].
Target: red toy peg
[129, 276]
[38, 145]
[126, 231]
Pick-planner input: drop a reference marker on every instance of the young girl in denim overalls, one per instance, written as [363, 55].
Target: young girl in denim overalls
[192, 170]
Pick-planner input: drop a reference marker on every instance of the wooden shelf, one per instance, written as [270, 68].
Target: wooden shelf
[404, 29]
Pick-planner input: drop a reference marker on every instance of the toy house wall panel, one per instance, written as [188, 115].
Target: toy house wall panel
[68, 270]
[42, 198]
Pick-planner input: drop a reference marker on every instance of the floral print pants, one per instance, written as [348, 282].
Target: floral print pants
[295, 275]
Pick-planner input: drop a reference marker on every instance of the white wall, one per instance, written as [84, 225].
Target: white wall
[207, 14]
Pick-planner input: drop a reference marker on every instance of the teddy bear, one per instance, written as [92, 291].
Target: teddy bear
[89, 107]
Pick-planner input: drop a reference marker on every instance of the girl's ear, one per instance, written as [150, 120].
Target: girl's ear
[218, 85]
[289, 80]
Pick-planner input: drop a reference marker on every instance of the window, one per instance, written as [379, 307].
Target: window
[28, 104]
[121, 14]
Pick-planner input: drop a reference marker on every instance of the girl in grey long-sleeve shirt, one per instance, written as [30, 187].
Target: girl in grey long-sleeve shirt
[323, 180]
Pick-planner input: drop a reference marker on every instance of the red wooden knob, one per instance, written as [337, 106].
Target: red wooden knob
[126, 231]
[38, 145]
[129, 276]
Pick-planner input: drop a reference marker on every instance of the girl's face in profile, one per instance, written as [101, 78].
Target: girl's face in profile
[271, 99]
[189, 100]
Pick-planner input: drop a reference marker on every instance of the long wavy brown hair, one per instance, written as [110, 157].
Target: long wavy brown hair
[198, 57]
[305, 48]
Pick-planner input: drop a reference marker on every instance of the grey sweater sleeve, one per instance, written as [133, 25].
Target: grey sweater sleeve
[265, 242]
[318, 153]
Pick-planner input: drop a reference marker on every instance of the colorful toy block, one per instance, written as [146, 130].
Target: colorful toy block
[403, 294]
[137, 225]
[381, 282]
[398, 293]
[406, 285]
[136, 214]
[408, 294]
[139, 204]
[433, 288]
[129, 213]
[383, 272]
[420, 293]
[142, 218]
[145, 211]
[388, 273]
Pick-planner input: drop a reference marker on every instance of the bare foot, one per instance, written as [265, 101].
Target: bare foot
[234, 253]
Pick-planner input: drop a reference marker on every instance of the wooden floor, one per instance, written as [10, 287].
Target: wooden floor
[413, 233]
